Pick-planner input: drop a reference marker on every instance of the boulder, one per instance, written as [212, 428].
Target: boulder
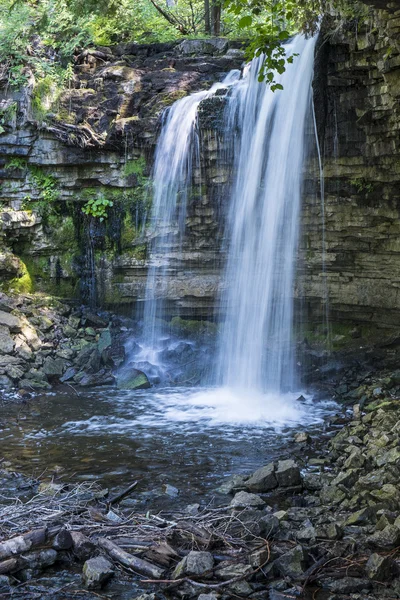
[211, 46]
[132, 379]
[233, 570]
[30, 335]
[291, 564]
[347, 585]
[10, 321]
[288, 473]
[195, 563]
[104, 341]
[6, 341]
[5, 383]
[236, 482]
[103, 377]
[263, 480]
[244, 500]
[380, 568]
[386, 539]
[96, 572]
[54, 368]
[63, 540]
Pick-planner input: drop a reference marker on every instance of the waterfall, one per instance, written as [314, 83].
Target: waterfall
[256, 342]
[177, 156]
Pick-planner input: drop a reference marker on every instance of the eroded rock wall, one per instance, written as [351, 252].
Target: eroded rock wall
[357, 93]
[100, 139]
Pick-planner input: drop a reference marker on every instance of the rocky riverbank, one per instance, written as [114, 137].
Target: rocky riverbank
[323, 523]
[45, 342]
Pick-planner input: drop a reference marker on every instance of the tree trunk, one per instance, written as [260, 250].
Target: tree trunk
[216, 17]
[207, 22]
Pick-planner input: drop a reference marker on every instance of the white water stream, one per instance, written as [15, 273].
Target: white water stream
[255, 369]
[256, 343]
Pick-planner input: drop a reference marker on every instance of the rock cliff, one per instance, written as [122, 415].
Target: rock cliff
[97, 140]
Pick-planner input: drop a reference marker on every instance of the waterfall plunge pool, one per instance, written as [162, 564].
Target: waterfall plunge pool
[189, 438]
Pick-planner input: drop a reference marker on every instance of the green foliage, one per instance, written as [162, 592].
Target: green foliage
[45, 184]
[16, 163]
[136, 167]
[98, 207]
[7, 116]
[362, 185]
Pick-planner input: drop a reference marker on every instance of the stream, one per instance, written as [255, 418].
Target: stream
[188, 439]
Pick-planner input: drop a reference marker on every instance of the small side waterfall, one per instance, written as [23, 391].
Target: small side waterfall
[177, 155]
[255, 346]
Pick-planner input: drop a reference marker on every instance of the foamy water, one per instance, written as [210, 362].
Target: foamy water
[241, 413]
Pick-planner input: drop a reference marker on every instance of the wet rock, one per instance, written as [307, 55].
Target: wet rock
[54, 368]
[69, 374]
[302, 438]
[386, 539]
[270, 525]
[170, 490]
[291, 564]
[103, 377]
[380, 568]
[211, 46]
[331, 494]
[244, 500]
[50, 488]
[63, 540]
[236, 482]
[92, 320]
[233, 570]
[10, 321]
[4, 583]
[133, 379]
[96, 572]
[40, 559]
[347, 585]
[263, 480]
[6, 341]
[208, 597]
[5, 383]
[361, 517]
[195, 563]
[104, 341]
[312, 481]
[288, 473]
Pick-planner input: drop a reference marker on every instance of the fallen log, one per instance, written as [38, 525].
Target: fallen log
[127, 560]
[22, 543]
[122, 494]
[7, 566]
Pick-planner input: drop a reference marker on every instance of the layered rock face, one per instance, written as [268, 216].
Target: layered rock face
[96, 141]
[357, 93]
[99, 140]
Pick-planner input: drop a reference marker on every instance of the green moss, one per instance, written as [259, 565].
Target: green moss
[135, 167]
[22, 284]
[192, 327]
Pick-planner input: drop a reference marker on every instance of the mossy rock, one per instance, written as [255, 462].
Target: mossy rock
[133, 379]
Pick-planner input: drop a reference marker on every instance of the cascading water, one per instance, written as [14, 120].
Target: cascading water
[177, 155]
[256, 362]
[255, 346]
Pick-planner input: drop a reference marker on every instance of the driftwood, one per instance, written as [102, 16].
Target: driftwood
[128, 560]
[117, 497]
[22, 543]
